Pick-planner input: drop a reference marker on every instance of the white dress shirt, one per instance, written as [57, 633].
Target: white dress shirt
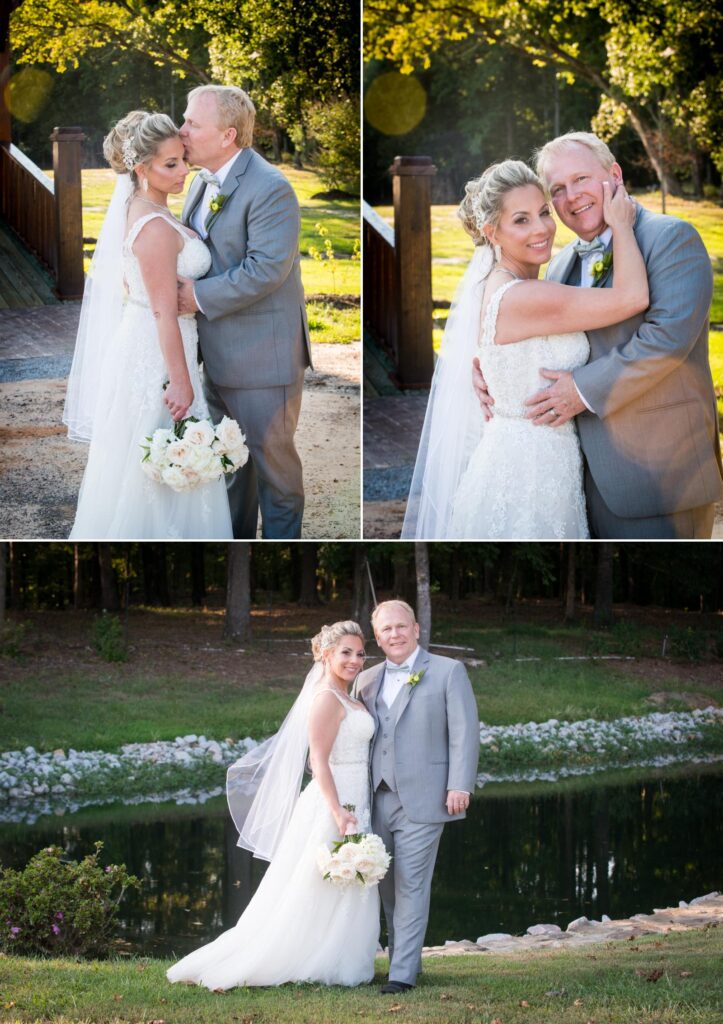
[395, 678]
[198, 219]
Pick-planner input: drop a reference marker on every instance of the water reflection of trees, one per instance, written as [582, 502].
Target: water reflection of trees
[548, 856]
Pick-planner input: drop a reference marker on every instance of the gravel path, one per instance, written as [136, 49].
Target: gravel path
[39, 486]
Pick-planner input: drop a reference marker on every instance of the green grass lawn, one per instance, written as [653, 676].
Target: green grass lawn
[450, 242]
[607, 983]
[180, 678]
[339, 217]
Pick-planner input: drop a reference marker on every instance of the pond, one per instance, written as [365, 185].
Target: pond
[528, 853]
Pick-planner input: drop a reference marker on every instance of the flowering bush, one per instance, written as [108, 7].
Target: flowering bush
[61, 907]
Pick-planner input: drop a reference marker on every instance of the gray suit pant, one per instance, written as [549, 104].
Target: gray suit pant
[272, 477]
[406, 889]
[692, 523]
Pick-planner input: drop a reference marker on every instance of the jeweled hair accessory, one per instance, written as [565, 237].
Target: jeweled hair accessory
[480, 216]
[130, 157]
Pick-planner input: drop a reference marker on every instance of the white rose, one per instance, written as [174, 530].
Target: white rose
[174, 477]
[239, 456]
[159, 445]
[323, 859]
[228, 436]
[347, 853]
[151, 470]
[200, 433]
[204, 462]
[179, 452]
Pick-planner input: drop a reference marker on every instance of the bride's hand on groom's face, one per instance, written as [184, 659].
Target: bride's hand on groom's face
[553, 406]
[479, 383]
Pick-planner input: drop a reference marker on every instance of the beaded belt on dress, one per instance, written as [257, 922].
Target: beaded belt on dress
[145, 305]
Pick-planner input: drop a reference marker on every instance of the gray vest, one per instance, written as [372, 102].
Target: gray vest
[383, 749]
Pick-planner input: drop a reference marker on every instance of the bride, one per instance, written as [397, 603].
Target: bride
[135, 366]
[298, 926]
[514, 479]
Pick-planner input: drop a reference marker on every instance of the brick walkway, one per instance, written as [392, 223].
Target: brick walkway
[38, 499]
[37, 342]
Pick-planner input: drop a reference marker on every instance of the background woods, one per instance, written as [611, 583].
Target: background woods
[93, 61]
[496, 79]
[577, 578]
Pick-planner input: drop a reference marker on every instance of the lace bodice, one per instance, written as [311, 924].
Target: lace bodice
[349, 759]
[512, 371]
[194, 259]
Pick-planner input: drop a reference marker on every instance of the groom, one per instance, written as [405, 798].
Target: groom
[253, 332]
[423, 771]
[645, 404]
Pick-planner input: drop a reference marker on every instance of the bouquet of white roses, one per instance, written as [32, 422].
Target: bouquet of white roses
[193, 452]
[359, 859]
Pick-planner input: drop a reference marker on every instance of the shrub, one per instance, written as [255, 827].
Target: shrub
[334, 127]
[61, 907]
[12, 635]
[108, 638]
[686, 643]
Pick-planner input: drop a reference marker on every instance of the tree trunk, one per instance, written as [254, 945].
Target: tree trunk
[198, 575]
[77, 579]
[400, 562]
[603, 613]
[424, 607]
[108, 588]
[237, 627]
[308, 596]
[3, 581]
[155, 574]
[361, 611]
[570, 592]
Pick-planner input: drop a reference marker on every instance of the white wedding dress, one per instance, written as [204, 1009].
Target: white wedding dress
[298, 926]
[117, 499]
[522, 481]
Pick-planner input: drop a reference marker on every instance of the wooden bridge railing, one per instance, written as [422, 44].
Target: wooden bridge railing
[398, 272]
[47, 215]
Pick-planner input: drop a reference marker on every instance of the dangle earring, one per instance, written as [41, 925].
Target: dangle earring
[498, 253]
[144, 185]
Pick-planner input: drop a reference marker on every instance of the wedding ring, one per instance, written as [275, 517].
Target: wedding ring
[553, 412]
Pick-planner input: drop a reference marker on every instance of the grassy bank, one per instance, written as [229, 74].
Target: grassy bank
[606, 984]
[339, 217]
[180, 678]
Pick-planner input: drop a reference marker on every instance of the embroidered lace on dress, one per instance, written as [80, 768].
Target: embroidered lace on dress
[522, 481]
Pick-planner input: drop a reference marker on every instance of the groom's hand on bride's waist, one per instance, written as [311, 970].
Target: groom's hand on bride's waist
[479, 383]
[556, 404]
[457, 801]
[186, 298]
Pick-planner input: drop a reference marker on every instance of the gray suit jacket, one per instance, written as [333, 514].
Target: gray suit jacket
[652, 445]
[253, 332]
[436, 736]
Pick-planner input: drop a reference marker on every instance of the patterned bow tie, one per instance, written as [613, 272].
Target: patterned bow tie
[209, 178]
[391, 667]
[585, 248]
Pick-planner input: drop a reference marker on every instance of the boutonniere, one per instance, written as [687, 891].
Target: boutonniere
[217, 203]
[600, 268]
[415, 677]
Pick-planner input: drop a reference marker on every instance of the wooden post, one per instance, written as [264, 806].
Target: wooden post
[412, 187]
[68, 211]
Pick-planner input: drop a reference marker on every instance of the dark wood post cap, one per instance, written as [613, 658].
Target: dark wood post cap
[413, 165]
[74, 134]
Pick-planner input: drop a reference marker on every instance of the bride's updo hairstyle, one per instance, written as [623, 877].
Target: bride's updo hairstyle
[135, 140]
[329, 636]
[484, 196]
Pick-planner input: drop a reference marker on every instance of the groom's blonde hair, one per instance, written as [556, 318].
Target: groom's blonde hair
[598, 148]
[235, 110]
[386, 604]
